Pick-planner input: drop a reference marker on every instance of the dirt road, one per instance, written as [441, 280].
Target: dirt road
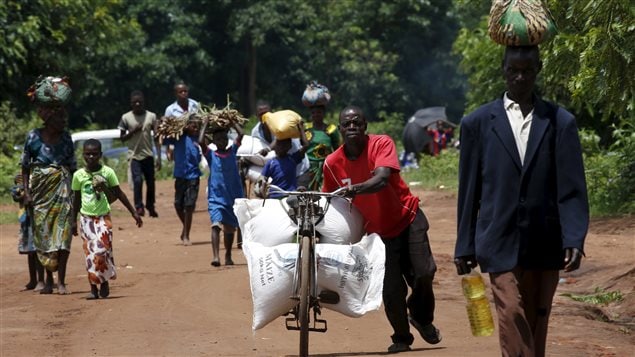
[169, 301]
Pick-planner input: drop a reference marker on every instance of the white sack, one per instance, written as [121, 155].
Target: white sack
[271, 279]
[269, 225]
[342, 223]
[355, 272]
[253, 172]
[250, 147]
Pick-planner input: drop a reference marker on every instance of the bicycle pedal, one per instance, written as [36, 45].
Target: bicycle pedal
[315, 327]
[293, 325]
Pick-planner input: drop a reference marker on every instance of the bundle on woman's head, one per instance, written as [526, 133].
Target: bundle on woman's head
[50, 91]
[316, 94]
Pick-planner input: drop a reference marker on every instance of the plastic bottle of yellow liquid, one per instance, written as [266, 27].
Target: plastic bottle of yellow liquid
[478, 309]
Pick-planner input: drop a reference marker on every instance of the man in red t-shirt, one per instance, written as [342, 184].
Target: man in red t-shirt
[368, 166]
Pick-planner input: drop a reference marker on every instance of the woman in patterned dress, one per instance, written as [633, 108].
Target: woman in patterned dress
[323, 139]
[48, 161]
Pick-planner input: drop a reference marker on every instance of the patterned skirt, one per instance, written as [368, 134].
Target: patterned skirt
[25, 237]
[51, 193]
[96, 232]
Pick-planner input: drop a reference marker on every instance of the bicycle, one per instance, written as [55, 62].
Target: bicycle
[308, 213]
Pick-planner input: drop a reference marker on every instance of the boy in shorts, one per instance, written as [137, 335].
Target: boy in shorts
[187, 155]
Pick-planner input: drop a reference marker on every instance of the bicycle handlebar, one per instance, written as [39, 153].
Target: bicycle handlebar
[336, 193]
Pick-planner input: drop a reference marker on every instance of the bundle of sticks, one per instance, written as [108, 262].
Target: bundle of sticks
[217, 119]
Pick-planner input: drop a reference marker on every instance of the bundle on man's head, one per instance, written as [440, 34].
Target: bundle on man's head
[50, 91]
[520, 22]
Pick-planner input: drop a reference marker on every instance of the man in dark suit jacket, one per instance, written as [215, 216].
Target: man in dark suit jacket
[522, 208]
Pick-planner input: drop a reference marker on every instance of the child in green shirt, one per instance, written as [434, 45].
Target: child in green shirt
[95, 187]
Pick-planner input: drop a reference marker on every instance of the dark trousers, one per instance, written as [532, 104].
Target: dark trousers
[409, 262]
[143, 169]
[523, 301]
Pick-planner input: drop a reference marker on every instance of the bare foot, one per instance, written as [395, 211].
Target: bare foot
[39, 286]
[61, 289]
[30, 286]
[186, 241]
[229, 261]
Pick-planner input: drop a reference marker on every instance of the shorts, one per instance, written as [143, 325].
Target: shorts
[185, 192]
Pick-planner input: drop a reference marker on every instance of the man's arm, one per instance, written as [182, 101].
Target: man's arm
[468, 200]
[573, 203]
[376, 183]
[157, 143]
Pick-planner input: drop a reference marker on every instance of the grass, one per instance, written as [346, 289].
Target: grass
[9, 217]
[599, 297]
[436, 172]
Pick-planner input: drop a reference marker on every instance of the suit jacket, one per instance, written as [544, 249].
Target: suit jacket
[512, 214]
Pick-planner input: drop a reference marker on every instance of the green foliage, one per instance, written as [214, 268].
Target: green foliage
[9, 167]
[610, 175]
[83, 39]
[598, 297]
[436, 172]
[593, 58]
[481, 62]
[391, 124]
[585, 67]
[13, 128]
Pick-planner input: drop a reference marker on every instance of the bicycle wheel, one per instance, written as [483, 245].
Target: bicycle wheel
[305, 286]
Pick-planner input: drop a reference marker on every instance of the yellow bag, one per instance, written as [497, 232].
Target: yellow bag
[520, 22]
[283, 124]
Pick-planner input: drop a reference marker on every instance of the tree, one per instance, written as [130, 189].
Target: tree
[79, 38]
[587, 67]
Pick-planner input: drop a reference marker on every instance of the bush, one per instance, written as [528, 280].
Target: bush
[391, 124]
[610, 174]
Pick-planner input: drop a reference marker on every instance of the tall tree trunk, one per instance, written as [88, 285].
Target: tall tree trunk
[251, 77]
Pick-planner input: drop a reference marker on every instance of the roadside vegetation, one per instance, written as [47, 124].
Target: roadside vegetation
[437, 53]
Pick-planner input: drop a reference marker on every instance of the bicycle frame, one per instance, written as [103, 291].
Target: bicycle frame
[308, 213]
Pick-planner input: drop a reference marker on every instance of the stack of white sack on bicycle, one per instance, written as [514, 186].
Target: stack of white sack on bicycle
[349, 263]
[249, 148]
[355, 272]
[267, 221]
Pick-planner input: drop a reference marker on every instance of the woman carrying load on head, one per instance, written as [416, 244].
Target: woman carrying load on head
[48, 162]
[323, 138]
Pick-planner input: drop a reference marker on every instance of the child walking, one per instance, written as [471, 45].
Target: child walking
[187, 155]
[223, 187]
[282, 169]
[25, 241]
[94, 188]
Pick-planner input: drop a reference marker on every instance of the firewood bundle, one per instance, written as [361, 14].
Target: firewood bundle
[220, 119]
[217, 119]
[172, 127]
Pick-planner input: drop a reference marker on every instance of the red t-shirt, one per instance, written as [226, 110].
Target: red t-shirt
[387, 212]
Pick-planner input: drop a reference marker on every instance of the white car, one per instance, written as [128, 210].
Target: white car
[111, 146]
